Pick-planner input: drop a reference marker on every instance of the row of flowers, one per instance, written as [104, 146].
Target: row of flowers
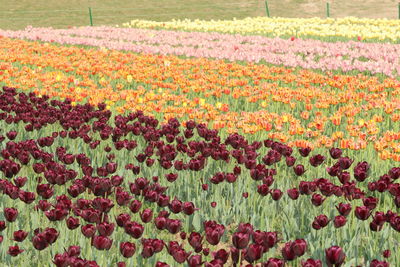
[330, 28]
[310, 54]
[301, 108]
[81, 208]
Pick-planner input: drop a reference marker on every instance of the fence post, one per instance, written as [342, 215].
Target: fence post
[327, 9]
[267, 9]
[90, 16]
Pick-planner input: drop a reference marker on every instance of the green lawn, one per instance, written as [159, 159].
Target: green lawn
[63, 13]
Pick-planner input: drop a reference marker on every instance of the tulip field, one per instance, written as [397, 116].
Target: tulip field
[262, 142]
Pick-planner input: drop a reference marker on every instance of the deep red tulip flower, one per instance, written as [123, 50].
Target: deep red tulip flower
[134, 229]
[299, 169]
[335, 152]
[253, 253]
[20, 181]
[317, 200]
[362, 213]
[2, 225]
[188, 208]
[287, 252]
[51, 235]
[127, 249]
[311, 263]
[101, 242]
[290, 161]
[345, 162]
[304, 151]
[161, 264]
[121, 264]
[317, 160]
[240, 240]
[274, 262]
[146, 215]
[334, 256]
[160, 222]
[376, 263]
[88, 230]
[213, 204]
[386, 253]
[105, 228]
[276, 194]
[20, 235]
[10, 214]
[39, 241]
[14, 251]
[370, 202]
[173, 226]
[72, 223]
[135, 206]
[204, 187]
[263, 189]
[175, 206]
[221, 255]
[344, 208]
[74, 251]
[299, 247]
[195, 240]
[320, 222]
[293, 193]
[195, 261]
[339, 221]
[245, 195]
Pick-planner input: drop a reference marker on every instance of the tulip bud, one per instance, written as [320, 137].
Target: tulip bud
[127, 249]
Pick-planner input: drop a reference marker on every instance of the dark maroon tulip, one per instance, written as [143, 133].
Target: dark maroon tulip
[253, 253]
[304, 151]
[39, 241]
[105, 228]
[344, 208]
[287, 252]
[334, 256]
[204, 187]
[339, 221]
[311, 263]
[101, 242]
[335, 152]
[386, 253]
[195, 261]
[221, 255]
[175, 206]
[183, 235]
[160, 222]
[135, 206]
[245, 194]
[146, 215]
[20, 181]
[317, 200]
[188, 208]
[317, 160]
[122, 218]
[299, 169]
[127, 249]
[10, 214]
[370, 202]
[213, 204]
[20, 235]
[14, 251]
[320, 222]
[240, 240]
[2, 225]
[276, 194]
[293, 193]
[195, 240]
[121, 264]
[134, 229]
[173, 226]
[290, 161]
[345, 162]
[88, 230]
[11, 135]
[362, 213]
[51, 235]
[299, 247]
[263, 189]
[161, 264]
[72, 223]
[74, 251]
[376, 263]
[274, 262]
[344, 177]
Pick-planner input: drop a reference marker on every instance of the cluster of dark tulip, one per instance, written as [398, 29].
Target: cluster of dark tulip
[146, 202]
